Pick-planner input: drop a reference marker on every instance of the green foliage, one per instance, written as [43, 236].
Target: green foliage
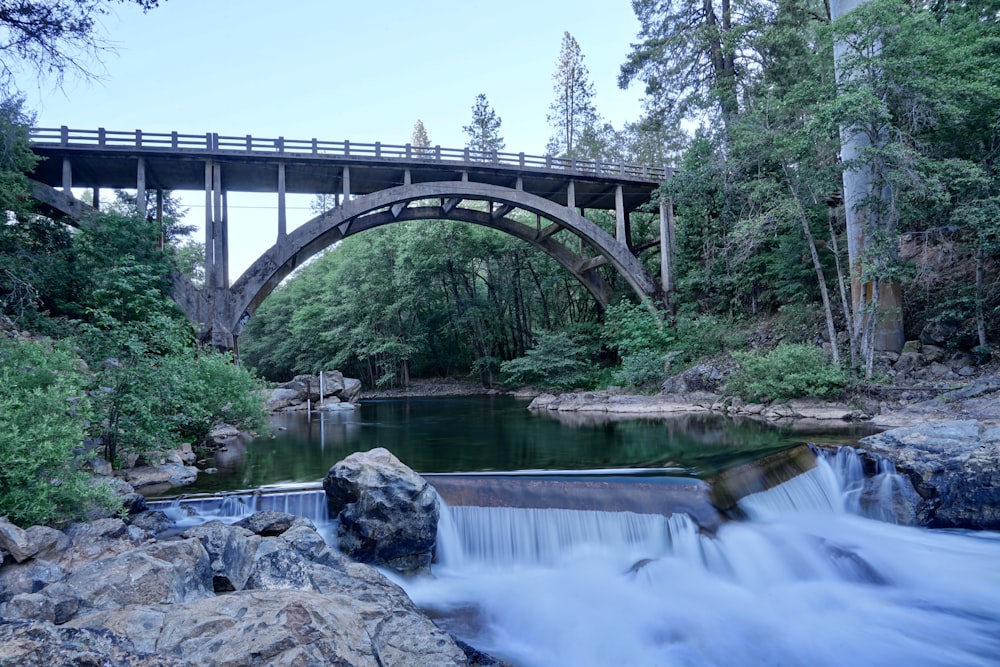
[788, 371]
[43, 413]
[559, 360]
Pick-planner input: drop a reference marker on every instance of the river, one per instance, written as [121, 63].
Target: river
[803, 579]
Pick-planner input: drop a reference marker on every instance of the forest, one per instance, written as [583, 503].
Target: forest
[766, 109]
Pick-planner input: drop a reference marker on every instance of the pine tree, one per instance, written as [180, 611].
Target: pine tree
[572, 112]
[419, 139]
[484, 130]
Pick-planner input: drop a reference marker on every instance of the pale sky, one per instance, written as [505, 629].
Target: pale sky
[335, 69]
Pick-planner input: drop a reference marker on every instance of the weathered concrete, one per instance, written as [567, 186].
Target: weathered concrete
[379, 183]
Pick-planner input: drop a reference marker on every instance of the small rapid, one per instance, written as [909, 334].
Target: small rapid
[815, 573]
[812, 576]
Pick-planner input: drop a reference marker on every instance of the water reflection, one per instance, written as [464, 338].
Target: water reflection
[483, 433]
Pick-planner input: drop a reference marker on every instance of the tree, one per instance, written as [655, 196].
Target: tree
[572, 112]
[484, 130]
[419, 140]
[54, 37]
[693, 54]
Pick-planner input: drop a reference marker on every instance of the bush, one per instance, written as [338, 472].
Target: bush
[43, 413]
[788, 371]
[558, 360]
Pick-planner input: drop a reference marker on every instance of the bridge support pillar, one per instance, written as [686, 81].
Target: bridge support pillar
[140, 187]
[216, 330]
[666, 248]
[67, 176]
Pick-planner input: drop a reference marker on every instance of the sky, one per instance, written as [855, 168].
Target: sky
[334, 70]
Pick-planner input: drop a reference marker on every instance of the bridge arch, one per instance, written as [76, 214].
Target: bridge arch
[406, 202]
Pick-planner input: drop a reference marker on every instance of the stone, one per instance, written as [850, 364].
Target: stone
[16, 541]
[709, 377]
[541, 401]
[911, 346]
[908, 361]
[171, 474]
[939, 331]
[28, 577]
[388, 514]
[231, 552]
[276, 567]
[954, 466]
[163, 572]
[42, 644]
[282, 398]
[268, 523]
[151, 521]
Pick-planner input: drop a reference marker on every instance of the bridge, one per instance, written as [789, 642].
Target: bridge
[539, 199]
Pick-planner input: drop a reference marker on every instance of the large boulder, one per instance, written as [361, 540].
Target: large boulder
[388, 513]
[954, 467]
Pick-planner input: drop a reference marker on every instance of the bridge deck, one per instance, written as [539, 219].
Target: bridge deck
[173, 161]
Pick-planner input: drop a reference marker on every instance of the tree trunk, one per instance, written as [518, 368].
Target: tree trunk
[831, 329]
[844, 302]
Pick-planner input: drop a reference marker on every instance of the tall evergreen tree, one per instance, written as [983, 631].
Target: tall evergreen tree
[419, 139]
[484, 130]
[572, 112]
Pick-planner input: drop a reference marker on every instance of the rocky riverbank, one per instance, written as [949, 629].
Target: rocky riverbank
[265, 590]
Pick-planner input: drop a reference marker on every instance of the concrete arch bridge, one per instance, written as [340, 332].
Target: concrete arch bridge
[372, 185]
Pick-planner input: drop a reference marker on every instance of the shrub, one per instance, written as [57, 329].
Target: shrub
[43, 412]
[558, 360]
[788, 371]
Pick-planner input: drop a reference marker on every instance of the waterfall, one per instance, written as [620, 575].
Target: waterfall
[506, 536]
[307, 501]
[837, 484]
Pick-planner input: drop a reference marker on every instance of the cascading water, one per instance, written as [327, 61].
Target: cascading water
[308, 501]
[806, 580]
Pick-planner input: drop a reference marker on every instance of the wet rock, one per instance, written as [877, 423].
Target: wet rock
[388, 514]
[954, 466]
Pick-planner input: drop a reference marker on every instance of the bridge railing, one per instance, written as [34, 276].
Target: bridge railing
[217, 143]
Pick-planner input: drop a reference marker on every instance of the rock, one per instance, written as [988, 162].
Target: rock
[163, 572]
[337, 389]
[388, 514]
[169, 474]
[41, 644]
[954, 466]
[28, 577]
[231, 552]
[268, 523]
[151, 521]
[276, 567]
[352, 390]
[311, 606]
[16, 541]
[939, 330]
[708, 377]
[541, 401]
[908, 361]
[911, 346]
[282, 398]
